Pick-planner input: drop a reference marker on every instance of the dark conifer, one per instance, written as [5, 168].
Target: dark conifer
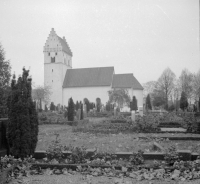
[77, 105]
[134, 104]
[70, 113]
[148, 103]
[22, 128]
[183, 101]
[81, 105]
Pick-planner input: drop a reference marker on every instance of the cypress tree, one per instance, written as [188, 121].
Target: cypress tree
[22, 127]
[81, 106]
[183, 101]
[77, 105]
[52, 106]
[148, 103]
[46, 109]
[134, 104]
[70, 113]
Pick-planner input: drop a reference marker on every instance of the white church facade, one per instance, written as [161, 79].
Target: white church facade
[80, 83]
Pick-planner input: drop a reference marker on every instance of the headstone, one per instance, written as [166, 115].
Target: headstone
[157, 147]
[133, 115]
[140, 110]
[78, 114]
[85, 111]
[115, 111]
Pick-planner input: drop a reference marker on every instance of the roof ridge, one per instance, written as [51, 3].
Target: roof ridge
[124, 74]
[93, 67]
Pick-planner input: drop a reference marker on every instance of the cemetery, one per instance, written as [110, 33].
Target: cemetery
[92, 125]
[131, 146]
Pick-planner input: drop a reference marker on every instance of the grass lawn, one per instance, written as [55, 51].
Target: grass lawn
[107, 142]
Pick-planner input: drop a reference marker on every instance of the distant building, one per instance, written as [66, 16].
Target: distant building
[81, 83]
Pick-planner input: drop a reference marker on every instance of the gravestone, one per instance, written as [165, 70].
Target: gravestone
[78, 114]
[133, 115]
[140, 110]
[115, 111]
[85, 111]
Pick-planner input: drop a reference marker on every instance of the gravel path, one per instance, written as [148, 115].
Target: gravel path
[81, 179]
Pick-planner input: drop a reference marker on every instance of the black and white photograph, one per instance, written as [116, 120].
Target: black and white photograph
[99, 92]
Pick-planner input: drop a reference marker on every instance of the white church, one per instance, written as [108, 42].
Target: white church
[80, 83]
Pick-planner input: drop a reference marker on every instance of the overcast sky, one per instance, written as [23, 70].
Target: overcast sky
[142, 37]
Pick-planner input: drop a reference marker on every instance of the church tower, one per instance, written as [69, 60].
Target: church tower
[57, 59]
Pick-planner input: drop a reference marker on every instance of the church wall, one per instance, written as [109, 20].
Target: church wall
[91, 93]
[53, 77]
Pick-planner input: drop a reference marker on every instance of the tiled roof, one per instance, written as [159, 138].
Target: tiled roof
[126, 81]
[87, 77]
[65, 46]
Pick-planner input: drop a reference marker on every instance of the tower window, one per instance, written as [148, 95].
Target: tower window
[52, 70]
[49, 53]
[53, 59]
[52, 80]
[56, 53]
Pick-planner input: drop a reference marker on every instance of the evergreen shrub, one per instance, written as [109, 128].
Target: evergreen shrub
[70, 113]
[22, 130]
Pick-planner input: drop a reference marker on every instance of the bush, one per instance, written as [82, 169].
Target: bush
[55, 150]
[148, 123]
[171, 108]
[22, 128]
[171, 155]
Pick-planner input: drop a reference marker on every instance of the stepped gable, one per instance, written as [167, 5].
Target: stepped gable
[88, 77]
[126, 81]
[65, 45]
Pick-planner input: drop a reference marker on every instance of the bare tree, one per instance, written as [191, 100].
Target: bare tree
[119, 96]
[5, 74]
[148, 88]
[186, 81]
[165, 83]
[41, 94]
[196, 85]
[176, 91]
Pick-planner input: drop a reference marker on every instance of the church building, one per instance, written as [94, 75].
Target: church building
[80, 83]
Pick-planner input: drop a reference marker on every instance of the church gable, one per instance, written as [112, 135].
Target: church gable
[88, 77]
[55, 43]
[125, 81]
[65, 46]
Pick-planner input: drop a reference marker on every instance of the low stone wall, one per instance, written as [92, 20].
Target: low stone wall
[65, 122]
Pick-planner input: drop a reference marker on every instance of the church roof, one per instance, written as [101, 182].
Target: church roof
[88, 77]
[65, 46]
[125, 81]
